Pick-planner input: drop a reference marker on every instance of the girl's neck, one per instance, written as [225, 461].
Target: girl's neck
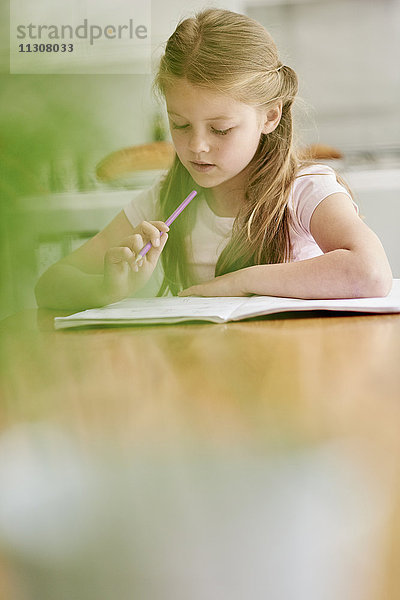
[225, 201]
[221, 208]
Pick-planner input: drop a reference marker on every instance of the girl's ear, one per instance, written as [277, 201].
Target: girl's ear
[272, 118]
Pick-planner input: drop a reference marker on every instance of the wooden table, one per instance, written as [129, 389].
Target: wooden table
[279, 437]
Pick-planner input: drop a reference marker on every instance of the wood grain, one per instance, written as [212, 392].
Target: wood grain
[247, 387]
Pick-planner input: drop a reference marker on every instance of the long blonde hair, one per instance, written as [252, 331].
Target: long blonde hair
[234, 55]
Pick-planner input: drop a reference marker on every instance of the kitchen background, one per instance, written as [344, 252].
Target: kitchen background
[54, 129]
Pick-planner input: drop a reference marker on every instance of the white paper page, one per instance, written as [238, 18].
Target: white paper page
[160, 308]
[220, 309]
[258, 305]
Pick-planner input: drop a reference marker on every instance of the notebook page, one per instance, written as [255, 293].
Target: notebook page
[158, 309]
[263, 305]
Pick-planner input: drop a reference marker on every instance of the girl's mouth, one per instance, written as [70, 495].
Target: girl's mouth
[202, 167]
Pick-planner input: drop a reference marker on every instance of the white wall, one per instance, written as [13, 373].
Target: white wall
[346, 55]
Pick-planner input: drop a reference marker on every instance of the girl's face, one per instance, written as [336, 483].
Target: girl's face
[215, 137]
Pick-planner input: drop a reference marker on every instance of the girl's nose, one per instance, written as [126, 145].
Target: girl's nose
[198, 143]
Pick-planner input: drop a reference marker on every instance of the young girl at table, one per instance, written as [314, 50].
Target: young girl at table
[264, 221]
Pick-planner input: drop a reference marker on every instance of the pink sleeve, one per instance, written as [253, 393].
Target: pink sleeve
[309, 189]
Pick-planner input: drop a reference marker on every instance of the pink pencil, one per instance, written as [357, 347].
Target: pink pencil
[168, 222]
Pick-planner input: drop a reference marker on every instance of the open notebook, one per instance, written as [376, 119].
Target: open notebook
[133, 311]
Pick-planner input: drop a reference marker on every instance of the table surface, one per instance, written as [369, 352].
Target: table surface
[291, 388]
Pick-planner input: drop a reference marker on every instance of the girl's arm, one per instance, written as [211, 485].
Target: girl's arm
[102, 270]
[354, 263]
[76, 281]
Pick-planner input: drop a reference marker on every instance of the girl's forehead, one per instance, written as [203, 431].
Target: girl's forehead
[184, 98]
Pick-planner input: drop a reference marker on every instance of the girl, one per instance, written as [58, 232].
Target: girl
[264, 222]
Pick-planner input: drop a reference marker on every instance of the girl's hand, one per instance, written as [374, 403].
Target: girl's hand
[122, 277]
[230, 284]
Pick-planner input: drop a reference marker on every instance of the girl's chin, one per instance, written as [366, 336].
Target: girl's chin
[205, 182]
[206, 176]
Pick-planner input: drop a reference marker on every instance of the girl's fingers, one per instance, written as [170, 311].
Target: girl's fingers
[136, 242]
[138, 245]
[159, 224]
[153, 230]
[153, 254]
[119, 254]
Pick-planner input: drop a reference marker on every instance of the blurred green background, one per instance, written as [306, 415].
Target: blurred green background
[54, 129]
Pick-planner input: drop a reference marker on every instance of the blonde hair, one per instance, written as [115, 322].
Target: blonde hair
[235, 55]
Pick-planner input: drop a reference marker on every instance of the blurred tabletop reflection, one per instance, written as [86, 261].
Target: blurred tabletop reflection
[249, 460]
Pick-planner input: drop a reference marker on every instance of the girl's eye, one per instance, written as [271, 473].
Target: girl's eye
[217, 131]
[222, 131]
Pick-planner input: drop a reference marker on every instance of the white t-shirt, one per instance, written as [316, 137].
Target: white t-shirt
[211, 233]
